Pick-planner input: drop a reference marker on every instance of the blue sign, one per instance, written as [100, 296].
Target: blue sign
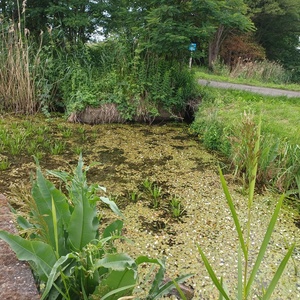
[192, 47]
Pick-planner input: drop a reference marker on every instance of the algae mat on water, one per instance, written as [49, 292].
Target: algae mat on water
[168, 156]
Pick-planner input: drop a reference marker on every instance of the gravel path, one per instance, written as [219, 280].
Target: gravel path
[249, 88]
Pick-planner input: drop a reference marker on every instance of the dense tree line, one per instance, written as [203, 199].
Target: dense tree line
[142, 65]
[167, 27]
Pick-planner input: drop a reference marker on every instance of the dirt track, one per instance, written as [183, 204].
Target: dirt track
[249, 88]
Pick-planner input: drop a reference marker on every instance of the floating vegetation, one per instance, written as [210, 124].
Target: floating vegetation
[168, 157]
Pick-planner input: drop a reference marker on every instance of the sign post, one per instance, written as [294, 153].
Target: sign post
[192, 48]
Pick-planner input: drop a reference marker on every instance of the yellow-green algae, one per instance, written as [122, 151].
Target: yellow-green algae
[167, 154]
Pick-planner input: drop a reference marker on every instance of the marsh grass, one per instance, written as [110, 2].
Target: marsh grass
[57, 147]
[4, 163]
[67, 132]
[27, 137]
[154, 191]
[262, 71]
[176, 207]
[134, 196]
[78, 149]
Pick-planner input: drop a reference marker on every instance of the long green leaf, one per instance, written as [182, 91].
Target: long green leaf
[40, 253]
[84, 224]
[264, 245]
[212, 274]
[54, 273]
[233, 213]
[158, 280]
[252, 179]
[278, 274]
[145, 259]
[116, 291]
[116, 261]
[240, 275]
[54, 217]
[118, 283]
[220, 294]
[179, 290]
[83, 227]
[43, 192]
[113, 206]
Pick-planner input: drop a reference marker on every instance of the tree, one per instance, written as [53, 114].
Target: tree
[239, 47]
[278, 29]
[167, 27]
[228, 15]
[75, 19]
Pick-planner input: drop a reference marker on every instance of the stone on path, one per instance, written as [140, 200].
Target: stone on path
[16, 279]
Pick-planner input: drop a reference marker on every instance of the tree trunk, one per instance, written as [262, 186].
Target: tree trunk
[214, 46]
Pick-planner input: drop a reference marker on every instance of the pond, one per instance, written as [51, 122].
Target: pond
[167, 156]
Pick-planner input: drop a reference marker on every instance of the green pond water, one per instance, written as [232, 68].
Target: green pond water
[127, 155]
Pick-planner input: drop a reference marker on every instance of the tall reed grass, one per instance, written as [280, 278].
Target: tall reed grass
[265, 71]
[258, 71]
[19, 68]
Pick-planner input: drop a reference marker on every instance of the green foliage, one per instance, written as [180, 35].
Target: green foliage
[111, 73]
[4, 163]
[281, 44]
[222, 124]
[245, 276]
[134, 196]
[166, 28]
[57, 147]
[176, 207]
[154, 191]
[66, 228]
[159, 287]
[211, 132]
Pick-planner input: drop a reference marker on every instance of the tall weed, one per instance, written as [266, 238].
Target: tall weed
[246, 271]
[264, 71]
[20, 69]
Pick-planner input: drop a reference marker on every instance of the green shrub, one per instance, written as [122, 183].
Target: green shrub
[138, 85]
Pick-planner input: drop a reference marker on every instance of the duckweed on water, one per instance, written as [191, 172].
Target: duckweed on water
[168, 156]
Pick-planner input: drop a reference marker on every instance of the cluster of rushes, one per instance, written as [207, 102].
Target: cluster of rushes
[153, 192]
[39, 140]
